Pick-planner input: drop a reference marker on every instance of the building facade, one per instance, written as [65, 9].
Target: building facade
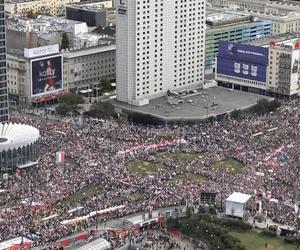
[270, 68]
[81, 69]
[93, 16]
[49, 7]
[266, 6]
[3, 81]
[35, 75]
[284, 17]
[242, 67]
[234, 27]
[160, 47]
[86, 68]
[284, 68]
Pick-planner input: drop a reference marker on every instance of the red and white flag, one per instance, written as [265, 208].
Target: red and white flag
[60, 157]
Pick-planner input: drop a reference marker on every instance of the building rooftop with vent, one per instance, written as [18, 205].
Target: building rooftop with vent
[47, 30]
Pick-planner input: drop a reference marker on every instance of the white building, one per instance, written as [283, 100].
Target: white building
[284, 67]
[160, 47]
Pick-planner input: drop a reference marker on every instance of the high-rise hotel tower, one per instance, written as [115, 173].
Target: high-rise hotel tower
[160, 47]
[3, 80]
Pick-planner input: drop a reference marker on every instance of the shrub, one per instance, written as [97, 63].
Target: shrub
[292, 240]
[269, 233]
[235, 224]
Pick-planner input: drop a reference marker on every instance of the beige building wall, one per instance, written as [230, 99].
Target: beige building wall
[54, 7]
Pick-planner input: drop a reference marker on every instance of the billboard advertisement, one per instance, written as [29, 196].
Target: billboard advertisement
[46, 75]
[295, 69]
[243, 61]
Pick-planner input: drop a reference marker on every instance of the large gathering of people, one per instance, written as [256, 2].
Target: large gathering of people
[97, 154]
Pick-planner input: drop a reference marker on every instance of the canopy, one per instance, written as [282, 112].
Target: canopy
[238, 197]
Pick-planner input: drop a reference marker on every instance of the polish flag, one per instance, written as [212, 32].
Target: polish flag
[60, 157]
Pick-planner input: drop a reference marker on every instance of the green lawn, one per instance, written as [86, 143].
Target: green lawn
[136, 196]
[83, 193]
[182, 156]
[230, 165]
[189, 177]
[254, 240]
[143, 167]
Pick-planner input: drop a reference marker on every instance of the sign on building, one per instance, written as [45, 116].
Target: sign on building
[41, 51]
[46, 75]
[243, 61]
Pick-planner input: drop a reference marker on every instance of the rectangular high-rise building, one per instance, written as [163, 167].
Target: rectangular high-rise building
[160, 47]
[3, 83]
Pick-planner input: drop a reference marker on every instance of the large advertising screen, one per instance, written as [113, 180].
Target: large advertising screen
[46, 75]
[243, 61]
[295, 67]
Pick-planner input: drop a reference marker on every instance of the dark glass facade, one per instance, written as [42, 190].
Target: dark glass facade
[10, 159]
[3, 81]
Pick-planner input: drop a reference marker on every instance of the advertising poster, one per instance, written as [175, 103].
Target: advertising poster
[243, 61]
[46, 75]
[295, 69]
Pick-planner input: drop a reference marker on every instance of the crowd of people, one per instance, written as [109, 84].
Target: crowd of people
[38, 198]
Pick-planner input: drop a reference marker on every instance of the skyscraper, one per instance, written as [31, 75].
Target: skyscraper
[160, 47]
[3, 83]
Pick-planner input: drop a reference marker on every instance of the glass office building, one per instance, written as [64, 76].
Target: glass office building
[3, 81]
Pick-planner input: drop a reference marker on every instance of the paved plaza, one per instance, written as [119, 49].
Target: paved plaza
[196, 106]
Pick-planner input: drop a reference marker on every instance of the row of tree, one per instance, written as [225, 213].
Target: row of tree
[70, 103]
[210, 229]
[262, 106]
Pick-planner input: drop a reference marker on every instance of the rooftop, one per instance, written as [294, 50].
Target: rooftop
[87, 51]
[204, 104]
[90, 7]
[12, 136]
[281, 38]
[238, 197]
[44, 24]
[215, 17]
[290, 14]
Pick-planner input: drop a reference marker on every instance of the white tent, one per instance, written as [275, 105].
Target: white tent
[99, 244]
[236, 204]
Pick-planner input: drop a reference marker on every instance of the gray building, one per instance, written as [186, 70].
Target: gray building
[92, 15]
[86, 68]
[3, 83]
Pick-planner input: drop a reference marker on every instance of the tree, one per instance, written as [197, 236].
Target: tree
[72, 101]
[65, 41]
[105, 108]
[274, 105]
[263, 106]
[62, 109]
[188, 212]
[106, 86]
[235, 114]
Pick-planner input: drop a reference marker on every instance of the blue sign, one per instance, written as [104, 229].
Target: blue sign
[243, 61]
